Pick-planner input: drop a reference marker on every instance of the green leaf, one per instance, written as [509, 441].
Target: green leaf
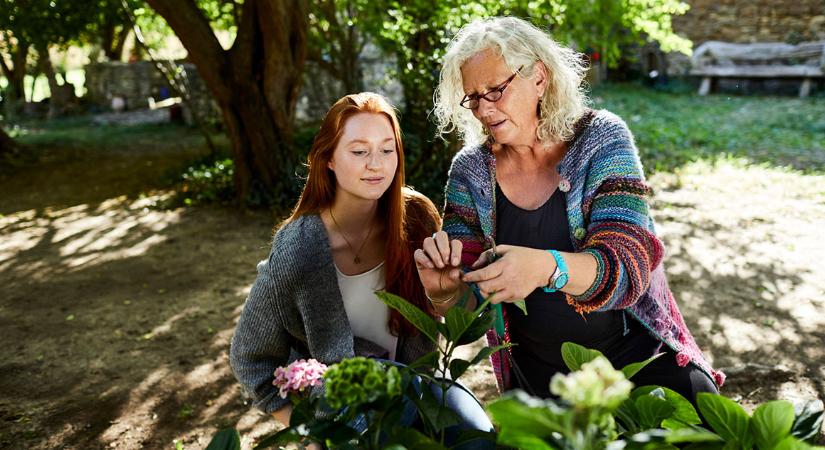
[518, 413]
[457, 367]
[457, 321]
[792, 443]
[771, 423]
[725, 416]
[653, 410]
[481, 324]
[627, 416]
[631, 369]
[418, 318]
[467, 436]
[808, 421]
[673, 424]
[226, 439]
[522, 305]
[485, 353]
[430, 360]
[431, 408]
[574, 355]
[684, 410]
[691, 433]
[516, 439]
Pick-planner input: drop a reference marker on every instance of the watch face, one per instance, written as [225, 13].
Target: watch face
[561, 281]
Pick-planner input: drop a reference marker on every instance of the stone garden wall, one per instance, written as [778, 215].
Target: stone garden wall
[790, 21]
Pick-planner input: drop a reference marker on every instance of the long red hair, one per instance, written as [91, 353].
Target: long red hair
[409, 216]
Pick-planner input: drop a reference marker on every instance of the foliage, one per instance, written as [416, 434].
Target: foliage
[360, 380]
[596, 411]
[370, 404]
[366, 400]
[209, 181]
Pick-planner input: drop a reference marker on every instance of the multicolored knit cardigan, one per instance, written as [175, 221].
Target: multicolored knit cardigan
[607, 212]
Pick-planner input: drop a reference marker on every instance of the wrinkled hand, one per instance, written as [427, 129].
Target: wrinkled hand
[438, 263]
[515, 273]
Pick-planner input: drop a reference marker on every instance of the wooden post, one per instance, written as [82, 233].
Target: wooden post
[805, 89]
[704, 89]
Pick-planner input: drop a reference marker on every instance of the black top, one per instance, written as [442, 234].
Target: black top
[550, 320]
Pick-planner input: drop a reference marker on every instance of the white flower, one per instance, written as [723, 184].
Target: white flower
[597, 384]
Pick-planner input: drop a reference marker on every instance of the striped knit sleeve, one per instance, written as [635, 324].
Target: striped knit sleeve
[460, 215]
[619, 234]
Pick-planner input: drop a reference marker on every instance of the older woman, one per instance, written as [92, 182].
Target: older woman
[548, 203]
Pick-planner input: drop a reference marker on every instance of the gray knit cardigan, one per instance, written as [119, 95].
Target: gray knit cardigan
[295, 310]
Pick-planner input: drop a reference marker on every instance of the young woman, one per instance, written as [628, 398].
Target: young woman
[352, 232]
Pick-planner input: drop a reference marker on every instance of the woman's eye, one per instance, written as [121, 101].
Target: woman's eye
[387, 151]
[359, 152]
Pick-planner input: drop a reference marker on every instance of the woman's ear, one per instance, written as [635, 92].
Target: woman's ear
[540, 77]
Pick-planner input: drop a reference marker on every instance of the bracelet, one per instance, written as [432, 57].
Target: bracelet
[441, 301]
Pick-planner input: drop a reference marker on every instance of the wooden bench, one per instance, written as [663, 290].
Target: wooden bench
[715, 59]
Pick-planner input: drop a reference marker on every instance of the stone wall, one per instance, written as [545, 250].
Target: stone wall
[136, 82]
[790, 21]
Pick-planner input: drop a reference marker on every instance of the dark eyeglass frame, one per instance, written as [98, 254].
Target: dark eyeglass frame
[493, 95]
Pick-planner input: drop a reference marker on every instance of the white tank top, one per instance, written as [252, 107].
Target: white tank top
[367, 314]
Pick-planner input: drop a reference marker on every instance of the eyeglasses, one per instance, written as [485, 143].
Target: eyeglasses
[493, 95]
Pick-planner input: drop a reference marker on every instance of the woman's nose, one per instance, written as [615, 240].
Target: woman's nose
[373, 160]
[485, 107]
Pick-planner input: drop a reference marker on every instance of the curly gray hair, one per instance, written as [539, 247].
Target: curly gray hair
[520, 44]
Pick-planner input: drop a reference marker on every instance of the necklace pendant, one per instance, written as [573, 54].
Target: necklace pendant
[357, 259]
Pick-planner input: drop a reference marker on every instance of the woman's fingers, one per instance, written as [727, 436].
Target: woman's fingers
[442, 241]
[456, 248]
[422, 261]
[486, 257]
[431, 249]
[486, 273]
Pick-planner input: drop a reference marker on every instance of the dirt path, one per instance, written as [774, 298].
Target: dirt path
[116, 316]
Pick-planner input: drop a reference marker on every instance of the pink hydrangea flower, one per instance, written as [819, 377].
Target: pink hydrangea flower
[298, 376]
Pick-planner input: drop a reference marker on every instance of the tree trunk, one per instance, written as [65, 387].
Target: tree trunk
[15, 74]
[112, 39]
[57, 102]
[255, 83]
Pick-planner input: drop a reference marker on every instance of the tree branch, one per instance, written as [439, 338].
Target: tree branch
[205, 51]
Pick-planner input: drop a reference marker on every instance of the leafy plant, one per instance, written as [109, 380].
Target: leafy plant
[366, 403]
[592, 413]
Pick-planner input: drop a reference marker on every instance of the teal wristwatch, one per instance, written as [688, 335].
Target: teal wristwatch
[560, 276]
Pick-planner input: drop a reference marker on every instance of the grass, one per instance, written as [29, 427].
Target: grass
[80, 131]
[672, 129]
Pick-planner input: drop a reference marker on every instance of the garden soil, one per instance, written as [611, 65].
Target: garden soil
[116, 314]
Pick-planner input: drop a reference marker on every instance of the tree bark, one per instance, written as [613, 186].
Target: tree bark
[113, 37]
[57, 100]
[255, 83]
[15, 74]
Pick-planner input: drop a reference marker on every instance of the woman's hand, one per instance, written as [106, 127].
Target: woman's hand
[516, 272]
[438, 264]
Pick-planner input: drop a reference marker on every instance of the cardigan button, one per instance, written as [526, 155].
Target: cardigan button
[579, 233]
[564, 185]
